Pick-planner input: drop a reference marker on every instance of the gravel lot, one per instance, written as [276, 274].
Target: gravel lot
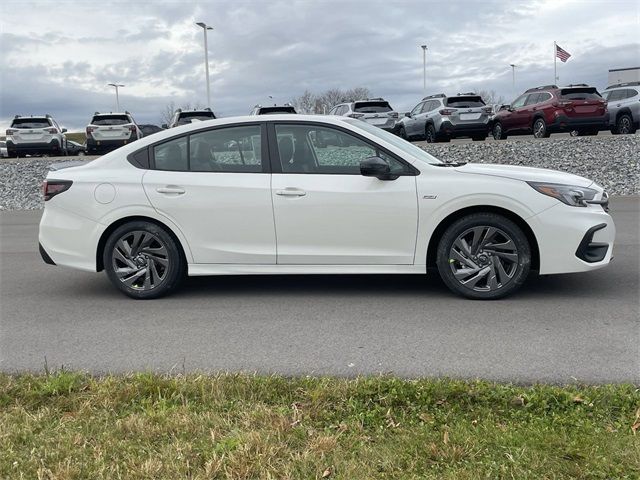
[612, 161]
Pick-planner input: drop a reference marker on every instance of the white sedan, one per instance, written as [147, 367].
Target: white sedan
[289, 194]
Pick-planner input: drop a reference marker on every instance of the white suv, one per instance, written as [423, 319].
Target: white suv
[108, 131]
[35, 135]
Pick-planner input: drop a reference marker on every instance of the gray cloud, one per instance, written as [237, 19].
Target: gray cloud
[60, 61]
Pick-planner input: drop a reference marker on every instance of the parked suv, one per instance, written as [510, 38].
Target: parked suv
[374, 111]
[108, 131]
[624, 107]
[184, 117]
[274, 109]
[35, 135]
[440, 118]
[552, 109]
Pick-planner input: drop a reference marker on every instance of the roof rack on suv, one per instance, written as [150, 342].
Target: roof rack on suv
[543, 87]
[623, 84]
[437, 95]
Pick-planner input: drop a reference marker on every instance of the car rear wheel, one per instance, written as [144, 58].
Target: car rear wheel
[540, 128]
[403, 133]
[484, 256]
[624, 125]
[497, 132]
[430, 134]
[143, 261]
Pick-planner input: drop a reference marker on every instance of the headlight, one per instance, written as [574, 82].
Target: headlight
[569, 194]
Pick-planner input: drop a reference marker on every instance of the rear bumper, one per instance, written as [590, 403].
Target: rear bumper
[33, 148]
[106, 145]
[573, 239]
[463, 129]
[562, 123]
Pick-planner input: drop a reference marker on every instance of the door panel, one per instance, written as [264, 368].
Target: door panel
[326, 213]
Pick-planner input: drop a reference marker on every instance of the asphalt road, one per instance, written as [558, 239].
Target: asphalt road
[580, 327]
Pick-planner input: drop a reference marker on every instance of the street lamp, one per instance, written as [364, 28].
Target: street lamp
[424, 68]
[116, 86]
[513, 73]
[205, 27]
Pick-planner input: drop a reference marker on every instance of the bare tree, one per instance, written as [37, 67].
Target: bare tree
[170, 108]
[490, 97]
[310, 102]
[305, 103]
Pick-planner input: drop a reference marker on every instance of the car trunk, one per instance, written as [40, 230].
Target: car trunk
[467, 109]
[379, 114]
[111, 127]
[582, 102]
[30, 130]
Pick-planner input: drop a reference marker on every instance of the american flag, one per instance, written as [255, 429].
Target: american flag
[563, 55]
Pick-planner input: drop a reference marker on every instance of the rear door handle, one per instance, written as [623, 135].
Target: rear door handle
[171, 190]
[291, 192]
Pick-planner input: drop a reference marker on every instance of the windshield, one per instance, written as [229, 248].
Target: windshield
[407, 147]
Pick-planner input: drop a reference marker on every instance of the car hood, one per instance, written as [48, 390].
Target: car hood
[526, 174]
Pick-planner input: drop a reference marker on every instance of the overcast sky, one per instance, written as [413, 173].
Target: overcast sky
[59, 55]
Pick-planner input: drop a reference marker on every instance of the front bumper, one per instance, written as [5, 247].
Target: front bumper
[573, 239]
[33, 148]
[453, 130]
[562, 123]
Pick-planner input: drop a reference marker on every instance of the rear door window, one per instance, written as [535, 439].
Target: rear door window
[586, 93]
[172, 155]
[110, 120]
[232, 149]
[464, 102]
[372, 107]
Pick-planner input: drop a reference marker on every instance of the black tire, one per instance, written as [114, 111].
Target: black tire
[624, 124]
[402, 133]
[479, 138]
[478, 282]
[430, 134]
[585, 132]
[497, 132]
[540, 128]
[154, 242]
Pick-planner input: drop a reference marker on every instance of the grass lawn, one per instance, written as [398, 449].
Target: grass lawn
[70, 425]
[79, 137]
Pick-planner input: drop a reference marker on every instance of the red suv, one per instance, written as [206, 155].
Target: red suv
[551, 109]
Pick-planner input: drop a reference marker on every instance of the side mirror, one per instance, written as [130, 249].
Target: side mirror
[165, 126]
[64, 130]
[407, 114]
[376, 167]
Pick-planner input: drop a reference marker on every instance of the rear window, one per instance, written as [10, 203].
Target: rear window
[587, 93]
[188, 117]
[464, 102]
[372, 107]
[274, 110]
[110, 120]
[30, 123]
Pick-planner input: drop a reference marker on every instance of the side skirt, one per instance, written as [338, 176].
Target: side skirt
[200, 269]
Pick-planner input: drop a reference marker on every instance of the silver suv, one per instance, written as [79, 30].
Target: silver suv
[108, 131]
[272, 110]
[624, 107]
[35, 135]
[184, 117]
[440, 118]
[374, 111]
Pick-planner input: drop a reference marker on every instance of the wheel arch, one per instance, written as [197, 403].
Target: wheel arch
[134, 218]
[452, 217]
[624, 111]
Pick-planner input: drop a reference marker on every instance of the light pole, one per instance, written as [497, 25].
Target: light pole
[424, 68]
[116, 86]
[513, 74]
[205, 27]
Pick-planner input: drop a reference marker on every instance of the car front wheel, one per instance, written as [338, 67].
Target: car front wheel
[143, 261]
[498, 132]
[484, 256]
[430, 134]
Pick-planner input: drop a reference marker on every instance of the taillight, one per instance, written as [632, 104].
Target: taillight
[89, 130]
[51, 188]
[562, 103]
[447, 111]
[51, 130]
[393, 114]
[356, 115]
[10, 132]
[487, 110]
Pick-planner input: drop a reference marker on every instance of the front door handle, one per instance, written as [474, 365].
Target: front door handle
[170, 189]
[291, 192]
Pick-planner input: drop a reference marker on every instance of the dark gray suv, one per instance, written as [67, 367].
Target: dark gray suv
[438, 118]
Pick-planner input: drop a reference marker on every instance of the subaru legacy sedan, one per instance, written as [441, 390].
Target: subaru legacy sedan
[293, 194]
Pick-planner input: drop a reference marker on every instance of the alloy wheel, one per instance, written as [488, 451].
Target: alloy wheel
[497, 131]
[624, 125]
[539, 128]
[483, 258]
[140, 260]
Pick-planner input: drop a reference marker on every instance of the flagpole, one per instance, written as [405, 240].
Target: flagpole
[555, 59]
